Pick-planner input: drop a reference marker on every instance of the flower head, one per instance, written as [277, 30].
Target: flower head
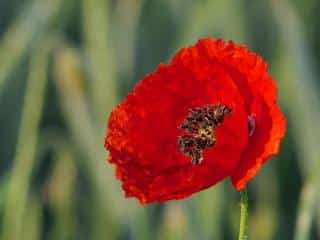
[209, 114]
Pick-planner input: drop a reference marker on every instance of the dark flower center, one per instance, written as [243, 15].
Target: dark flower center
[200, 127]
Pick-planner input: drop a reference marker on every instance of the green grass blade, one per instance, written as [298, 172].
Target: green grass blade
[25, 29]
[69, 80]
[299, 93]
[298, 84]
[100, 56]
[111, 208]
[307, 205]
[175, 222]
[124, 32]
[214, 18]
[19, 179]
[33, 218]
[263, 217]
[318, 219]
[61, 190]
[205, 212]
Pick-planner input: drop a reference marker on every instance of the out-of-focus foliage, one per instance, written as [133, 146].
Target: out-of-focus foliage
[65, 63]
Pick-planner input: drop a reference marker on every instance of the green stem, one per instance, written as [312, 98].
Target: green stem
[243, 214]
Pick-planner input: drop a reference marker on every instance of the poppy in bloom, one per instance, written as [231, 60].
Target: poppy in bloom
[210, 113]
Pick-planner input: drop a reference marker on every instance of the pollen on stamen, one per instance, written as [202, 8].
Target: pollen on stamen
[200, 127]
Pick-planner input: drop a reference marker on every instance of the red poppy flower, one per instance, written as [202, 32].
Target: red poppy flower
[209, 114]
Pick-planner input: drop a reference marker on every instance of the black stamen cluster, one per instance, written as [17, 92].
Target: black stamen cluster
[199, 125]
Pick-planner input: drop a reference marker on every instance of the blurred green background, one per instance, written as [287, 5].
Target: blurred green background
[64, 64]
